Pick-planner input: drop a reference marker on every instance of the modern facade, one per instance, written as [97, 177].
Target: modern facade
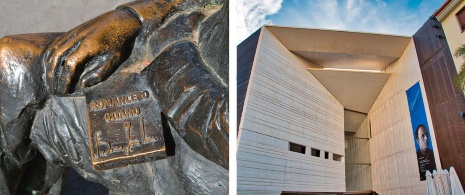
[323, 111]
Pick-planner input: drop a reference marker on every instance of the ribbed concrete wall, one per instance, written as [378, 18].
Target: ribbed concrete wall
[393, 154]
[285, 103]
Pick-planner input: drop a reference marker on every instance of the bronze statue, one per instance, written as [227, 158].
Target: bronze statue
[135, 99]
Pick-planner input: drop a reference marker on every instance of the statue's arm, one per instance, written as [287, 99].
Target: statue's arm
[91, 52]
[150, 11]
[194, 100]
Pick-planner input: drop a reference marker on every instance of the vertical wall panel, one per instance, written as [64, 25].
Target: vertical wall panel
[393, 154]
[445, 100]
[245, 58]
[285, 103]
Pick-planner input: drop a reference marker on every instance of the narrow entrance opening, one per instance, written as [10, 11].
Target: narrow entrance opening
[357, 152]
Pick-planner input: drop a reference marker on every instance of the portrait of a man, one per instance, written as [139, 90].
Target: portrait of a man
[424, 154]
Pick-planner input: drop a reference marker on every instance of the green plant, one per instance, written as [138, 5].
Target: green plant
[460, 79]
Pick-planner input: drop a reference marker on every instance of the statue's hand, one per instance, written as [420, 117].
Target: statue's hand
[89, 53]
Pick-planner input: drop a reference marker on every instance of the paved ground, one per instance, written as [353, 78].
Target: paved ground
[32, 16]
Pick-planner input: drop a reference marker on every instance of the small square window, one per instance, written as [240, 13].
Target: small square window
[337, 157]
[315, 152]
[326, 155]
[461, 18]
[296, 148]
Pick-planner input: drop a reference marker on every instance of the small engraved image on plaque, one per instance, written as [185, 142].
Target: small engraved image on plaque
[125, 124]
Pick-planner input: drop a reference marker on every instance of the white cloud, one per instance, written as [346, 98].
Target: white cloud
[251, 15]
[352, 10]
[359, 15]
[325, 14]
[376, 16]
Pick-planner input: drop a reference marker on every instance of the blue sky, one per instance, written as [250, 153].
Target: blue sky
[400, 17]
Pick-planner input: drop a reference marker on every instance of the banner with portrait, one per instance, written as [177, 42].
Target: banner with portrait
[420, 130]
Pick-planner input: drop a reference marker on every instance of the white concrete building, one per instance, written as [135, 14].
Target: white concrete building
[322, 111]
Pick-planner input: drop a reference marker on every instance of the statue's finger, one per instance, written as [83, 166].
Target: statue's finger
[103, 67]
[51, 66]
[51, 55]
[58, 63]
[88, 79]
[72, 69]
[91, 75]
[61, 40]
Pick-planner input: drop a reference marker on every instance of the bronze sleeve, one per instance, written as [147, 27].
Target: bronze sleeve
[150, 11]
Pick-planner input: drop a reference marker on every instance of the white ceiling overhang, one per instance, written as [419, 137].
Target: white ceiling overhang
[342, 49]
[356, 90]
[352, 63]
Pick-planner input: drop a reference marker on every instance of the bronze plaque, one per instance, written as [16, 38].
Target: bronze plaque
[125, 124]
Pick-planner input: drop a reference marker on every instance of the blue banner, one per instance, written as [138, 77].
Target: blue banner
[421, 134]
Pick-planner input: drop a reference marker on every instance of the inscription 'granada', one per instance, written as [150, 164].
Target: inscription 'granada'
[117, 101]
